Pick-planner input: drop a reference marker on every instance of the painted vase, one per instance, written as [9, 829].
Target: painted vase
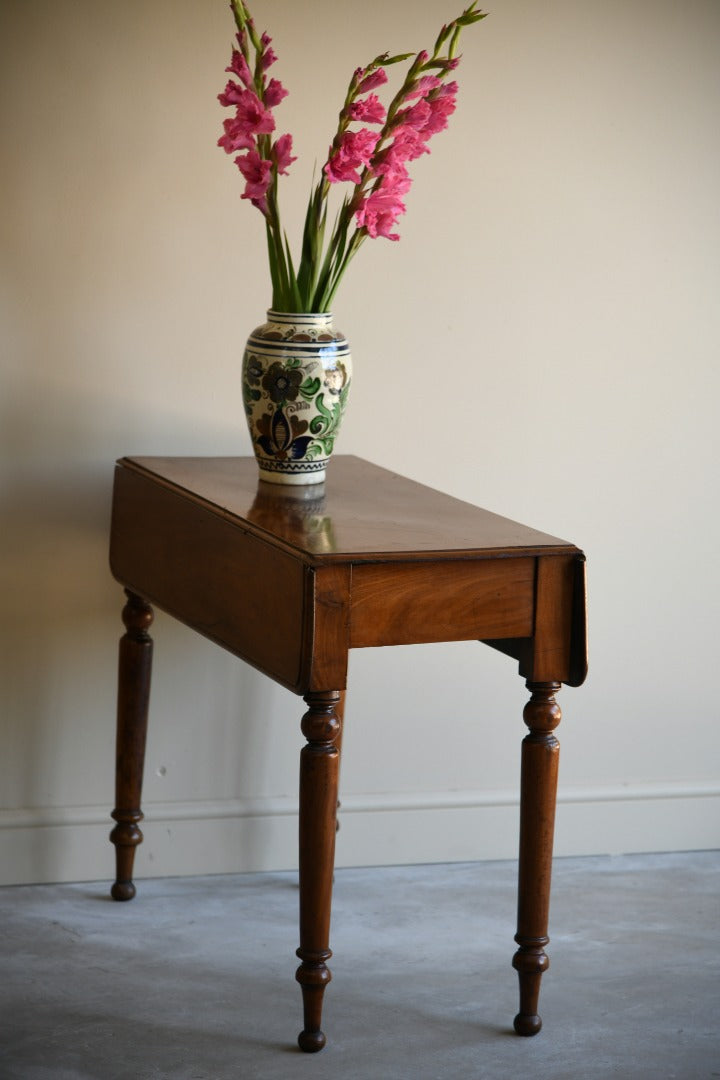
[296, 378]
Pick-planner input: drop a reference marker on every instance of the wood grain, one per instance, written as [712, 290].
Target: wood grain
[452, 601]
[328, 653]
[204, 569]
[361, 512]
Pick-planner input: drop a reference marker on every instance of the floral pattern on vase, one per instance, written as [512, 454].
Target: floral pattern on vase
[296, 380]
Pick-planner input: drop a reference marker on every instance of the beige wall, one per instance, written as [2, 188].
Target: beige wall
[560, 261]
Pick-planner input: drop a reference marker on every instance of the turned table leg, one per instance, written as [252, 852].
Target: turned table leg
[340, 713]
[319, 766]
[538, 787]
[135, 665]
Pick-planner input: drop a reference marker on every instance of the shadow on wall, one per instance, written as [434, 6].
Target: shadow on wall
[55, 512]
[61, 624]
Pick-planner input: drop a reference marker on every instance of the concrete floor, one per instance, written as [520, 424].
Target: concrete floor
[193, 980]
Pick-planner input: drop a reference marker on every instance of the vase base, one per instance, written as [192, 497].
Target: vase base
[294, 478]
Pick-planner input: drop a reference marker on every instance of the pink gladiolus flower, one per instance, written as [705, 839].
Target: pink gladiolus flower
[410, 143]
[252, 115]
[268, 54]
[442, 105]
[274, 93]
[407, 145]
[355, 150]
[236, 137]
[378, 213]
[282, 154]
[396, 182]
[425, 118]
[239, 67]
[232, 94]
[258, 175]
[371, 110]
[447, 90]
[416, 116]
[372, 81]
[424, 86]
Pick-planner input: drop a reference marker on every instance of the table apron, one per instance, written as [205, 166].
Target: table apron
[457, 600]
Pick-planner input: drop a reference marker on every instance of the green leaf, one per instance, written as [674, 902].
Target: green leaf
[313, 239]
[293, 291]
[397, 59]
[309, 388]
[274, 272]
[335, 254]
[468, 18]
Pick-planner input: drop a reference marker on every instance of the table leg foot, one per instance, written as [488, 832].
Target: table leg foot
[530, 962]
[311, 1041]
[313, 978]
[135, 665]
[319, 767]
[123, 890]
[538, 788]
[527, 1025]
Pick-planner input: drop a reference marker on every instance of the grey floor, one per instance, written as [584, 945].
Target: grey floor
[193, 980]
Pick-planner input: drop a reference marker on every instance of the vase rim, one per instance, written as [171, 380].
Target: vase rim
[297, 315]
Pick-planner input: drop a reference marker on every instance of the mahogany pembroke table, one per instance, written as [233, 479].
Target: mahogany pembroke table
[368, 558]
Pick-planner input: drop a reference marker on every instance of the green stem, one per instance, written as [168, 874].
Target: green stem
[353, 247]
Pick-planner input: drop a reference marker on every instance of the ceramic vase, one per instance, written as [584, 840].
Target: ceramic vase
[296, 378]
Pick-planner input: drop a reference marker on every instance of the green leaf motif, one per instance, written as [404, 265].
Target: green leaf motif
[320, 425]
[324, 427]
[309, 388]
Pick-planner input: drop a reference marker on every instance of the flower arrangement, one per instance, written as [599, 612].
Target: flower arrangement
[373, 159]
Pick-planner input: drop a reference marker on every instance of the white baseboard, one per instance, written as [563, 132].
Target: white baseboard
[236, 836]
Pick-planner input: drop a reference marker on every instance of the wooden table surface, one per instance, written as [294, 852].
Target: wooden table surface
[365, 511]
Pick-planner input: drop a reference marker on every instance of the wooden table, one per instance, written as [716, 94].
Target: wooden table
[290, 580]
